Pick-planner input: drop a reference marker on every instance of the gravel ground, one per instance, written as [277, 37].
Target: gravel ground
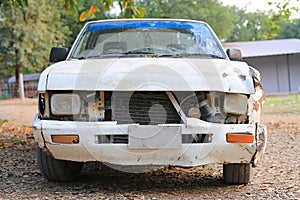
[276, 177]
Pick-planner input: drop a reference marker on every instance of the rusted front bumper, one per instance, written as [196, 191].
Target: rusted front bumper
[89, 148]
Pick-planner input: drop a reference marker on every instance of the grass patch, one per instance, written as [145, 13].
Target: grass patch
[283, 99]
[3, 97]
[282, 104]
[2, 121]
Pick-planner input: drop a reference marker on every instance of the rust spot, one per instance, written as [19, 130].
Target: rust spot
[257, 83]
[242, 77]
[263, 96]
[261, 141]
[225, 75]
[262, 99]
[256, 106]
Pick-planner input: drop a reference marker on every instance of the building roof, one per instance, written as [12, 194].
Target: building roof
[26, 77]
[266, 47]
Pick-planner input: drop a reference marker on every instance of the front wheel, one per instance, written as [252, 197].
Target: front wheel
[236, 173]
[57, 170]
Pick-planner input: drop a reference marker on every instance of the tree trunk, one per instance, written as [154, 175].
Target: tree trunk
[17, 86]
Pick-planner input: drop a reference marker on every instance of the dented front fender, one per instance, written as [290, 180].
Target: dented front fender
[261, 144]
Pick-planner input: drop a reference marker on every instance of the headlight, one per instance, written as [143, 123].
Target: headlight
[65, 104]
[236, 104]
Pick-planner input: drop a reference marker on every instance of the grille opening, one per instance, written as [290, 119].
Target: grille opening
[145, 108]
[123, 139]
[107, 104]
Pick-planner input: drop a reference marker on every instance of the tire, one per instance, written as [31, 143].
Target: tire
[237, 173]
[57, 170]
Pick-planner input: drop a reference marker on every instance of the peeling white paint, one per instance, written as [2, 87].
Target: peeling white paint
[188, 155]
[148, 74]
[167, 74]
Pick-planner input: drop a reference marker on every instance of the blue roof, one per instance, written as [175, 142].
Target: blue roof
[143, 24]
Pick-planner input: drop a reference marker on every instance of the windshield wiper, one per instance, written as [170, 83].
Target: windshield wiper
[201, 55]
[214, 56]
[113, 55]
[150, 54]
[131, 53]
[137, 52]
[169, 55]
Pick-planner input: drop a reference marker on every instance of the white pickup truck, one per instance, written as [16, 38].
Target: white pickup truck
[148, 92]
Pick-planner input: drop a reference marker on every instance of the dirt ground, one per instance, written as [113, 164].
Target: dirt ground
[16, 113]
[276, 177]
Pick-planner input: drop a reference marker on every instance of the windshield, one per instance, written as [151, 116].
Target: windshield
[147, 38]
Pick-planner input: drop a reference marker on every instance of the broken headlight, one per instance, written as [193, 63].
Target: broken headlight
[65, 104]
[236, 104]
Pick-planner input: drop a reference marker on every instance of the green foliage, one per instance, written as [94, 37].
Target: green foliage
[107, 4]
[284, 10]
[289, 29]
[27, 34]
[90, 13]
[127, 7]
[71, 5]
[31, 27]
[73, 23]
[249, 27]
[211, 11]
[265, 25]
[20, 3]
[2, 121]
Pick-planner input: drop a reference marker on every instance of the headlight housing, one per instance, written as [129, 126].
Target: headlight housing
[65, 104]
[236, 104]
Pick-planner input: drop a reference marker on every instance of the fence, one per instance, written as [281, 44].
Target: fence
[8, 86]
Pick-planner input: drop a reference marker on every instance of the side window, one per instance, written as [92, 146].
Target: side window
[83, 45]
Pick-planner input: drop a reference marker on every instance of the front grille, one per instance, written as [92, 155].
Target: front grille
[145, 108]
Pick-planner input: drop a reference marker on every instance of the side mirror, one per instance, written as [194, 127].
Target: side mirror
[234, 54]
[58, 54]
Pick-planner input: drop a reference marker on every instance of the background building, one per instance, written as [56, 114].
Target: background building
[277, 60]
[30, 84]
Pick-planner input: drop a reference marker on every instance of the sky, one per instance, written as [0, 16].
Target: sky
[253, 5]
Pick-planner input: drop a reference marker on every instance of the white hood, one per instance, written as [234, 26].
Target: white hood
[148, 74]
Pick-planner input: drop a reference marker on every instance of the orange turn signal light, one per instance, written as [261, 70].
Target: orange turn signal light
[239, 138]
[65, 139]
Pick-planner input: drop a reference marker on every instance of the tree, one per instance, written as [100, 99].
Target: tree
[71, 19]
[211, 11]
[263, 25]
[128, 9]
[27, 34]
[249, 26]
[289, 29]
